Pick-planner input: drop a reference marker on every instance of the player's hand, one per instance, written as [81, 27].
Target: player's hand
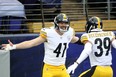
[9, 46]
[71, 69]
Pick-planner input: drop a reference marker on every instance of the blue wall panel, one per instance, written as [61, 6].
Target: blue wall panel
[29, 62]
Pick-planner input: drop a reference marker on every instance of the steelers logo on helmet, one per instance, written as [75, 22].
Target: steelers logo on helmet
[61, 18]
[94, 24]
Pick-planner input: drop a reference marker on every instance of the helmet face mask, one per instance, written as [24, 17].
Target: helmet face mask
[61, 18]
[94, 23]
[64, 30]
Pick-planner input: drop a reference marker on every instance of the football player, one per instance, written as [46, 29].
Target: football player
[56, 41]
[98, 47]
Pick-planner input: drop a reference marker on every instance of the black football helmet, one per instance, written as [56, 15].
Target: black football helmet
[61, 18]
[93, 23]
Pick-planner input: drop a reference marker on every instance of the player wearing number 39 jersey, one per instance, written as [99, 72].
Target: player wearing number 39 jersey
[56, 40]
[98, 47]
[101, 47]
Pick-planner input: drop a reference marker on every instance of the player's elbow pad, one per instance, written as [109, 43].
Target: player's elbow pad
[114, 43]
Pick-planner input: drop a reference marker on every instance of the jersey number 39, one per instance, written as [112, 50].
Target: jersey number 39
[103, 46]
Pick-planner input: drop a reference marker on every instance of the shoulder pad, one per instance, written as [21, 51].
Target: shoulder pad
[84, 37]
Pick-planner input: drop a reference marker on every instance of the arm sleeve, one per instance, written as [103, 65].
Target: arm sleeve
[114, 43]
[86, 51]
[113, 40]
[43, 33]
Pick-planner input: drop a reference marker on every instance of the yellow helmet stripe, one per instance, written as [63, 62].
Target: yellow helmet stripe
[98, 22]
[64, 16]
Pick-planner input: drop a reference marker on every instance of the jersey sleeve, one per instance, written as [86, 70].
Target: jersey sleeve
[84, 38]
[113, 35]
[73, 32]
[43, 33]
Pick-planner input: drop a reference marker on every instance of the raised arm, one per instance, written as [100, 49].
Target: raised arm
[25, 44]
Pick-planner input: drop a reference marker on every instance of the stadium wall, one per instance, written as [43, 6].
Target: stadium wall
[29, 62]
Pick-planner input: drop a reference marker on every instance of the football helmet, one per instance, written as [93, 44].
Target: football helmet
[61, 18]
[94, 23]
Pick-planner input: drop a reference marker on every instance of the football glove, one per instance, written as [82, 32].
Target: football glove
[71, 69]
[9, 47]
